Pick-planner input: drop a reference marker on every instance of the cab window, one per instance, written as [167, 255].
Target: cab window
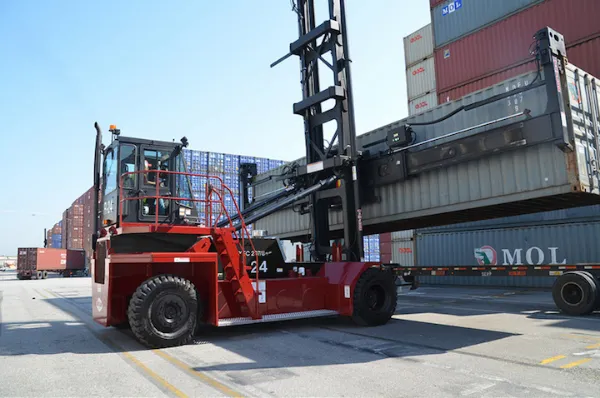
[156, 160]
[127, 159]
[110, 172]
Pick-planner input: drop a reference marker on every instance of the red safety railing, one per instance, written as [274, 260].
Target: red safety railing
[220, 191]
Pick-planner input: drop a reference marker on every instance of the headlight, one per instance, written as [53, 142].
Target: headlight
[184, 211]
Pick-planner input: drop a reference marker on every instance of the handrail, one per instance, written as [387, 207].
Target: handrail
[208, 209]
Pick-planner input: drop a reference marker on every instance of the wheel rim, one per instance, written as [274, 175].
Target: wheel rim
[169, 313]
[572, 293]
[375, 298]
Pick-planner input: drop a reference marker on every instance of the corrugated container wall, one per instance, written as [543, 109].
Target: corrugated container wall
[420, 78]
[584, 55]
[507, 43]
[527, 173]
[568, 243]
[418, 46]
[423, 103]
[403, 252]
[471, 16]
[576, 214]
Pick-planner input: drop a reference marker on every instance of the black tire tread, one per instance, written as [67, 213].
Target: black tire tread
[136, 315]
[368, 275]
[583, 277]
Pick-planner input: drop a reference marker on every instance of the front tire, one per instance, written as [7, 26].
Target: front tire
[163, 311]
[374, 298]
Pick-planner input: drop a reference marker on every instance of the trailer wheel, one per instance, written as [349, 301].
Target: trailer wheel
[597, 283]
[44, 274]
[374, 298]
[575, 293]
[39, 275]
[163, 311]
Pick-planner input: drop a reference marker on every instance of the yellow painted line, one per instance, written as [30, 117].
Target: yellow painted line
[128, 356]
[205, 378]
[548, 360]
[588, 339]
[576, 363]
[591, 347]
[152, 374]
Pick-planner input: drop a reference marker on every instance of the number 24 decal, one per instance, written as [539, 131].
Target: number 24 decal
[262, 267]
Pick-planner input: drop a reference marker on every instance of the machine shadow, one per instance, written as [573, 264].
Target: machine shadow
[335, 341]
[48, 338]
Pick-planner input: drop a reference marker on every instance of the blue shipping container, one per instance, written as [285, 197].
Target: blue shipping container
[454, 19]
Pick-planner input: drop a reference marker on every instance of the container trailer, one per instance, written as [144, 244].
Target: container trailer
[36, 263]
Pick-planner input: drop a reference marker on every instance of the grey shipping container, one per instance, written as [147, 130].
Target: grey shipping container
[452, 23]
[403, 252]
[570, 243]
[526, 179]
[418, 46]
[584, 213]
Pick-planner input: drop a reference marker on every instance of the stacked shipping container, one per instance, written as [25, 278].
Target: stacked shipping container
[477, 44]
[420, 70]
[480, 43]
[76, 228]
[225, 167]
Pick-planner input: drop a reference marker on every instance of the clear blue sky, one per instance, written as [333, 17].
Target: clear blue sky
[163, 70]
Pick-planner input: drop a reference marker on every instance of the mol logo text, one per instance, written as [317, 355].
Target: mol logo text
[415, 38]
[417, 71]
[487, 255]
[420, 105]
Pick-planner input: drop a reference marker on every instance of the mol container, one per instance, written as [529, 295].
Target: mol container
[509, 42]
[36, 263]
[527, 246]
[454, 19]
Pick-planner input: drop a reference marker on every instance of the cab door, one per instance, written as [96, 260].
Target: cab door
[153, 159]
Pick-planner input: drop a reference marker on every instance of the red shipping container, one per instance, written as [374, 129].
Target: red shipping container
[583, 55]
[385, 251]
[434, 3]
[459, 92]
[37, 259]
[385, 238]
[507, 43]
[586, 56]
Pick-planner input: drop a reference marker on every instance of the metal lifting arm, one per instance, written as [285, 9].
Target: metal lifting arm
[270, 199]
[279, 205]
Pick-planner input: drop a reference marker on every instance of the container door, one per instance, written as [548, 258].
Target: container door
[584, 99]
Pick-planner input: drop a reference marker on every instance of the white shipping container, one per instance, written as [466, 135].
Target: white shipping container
[403, 252]
[418, 45]
[422, 103]
[403, 235]
[420, 79]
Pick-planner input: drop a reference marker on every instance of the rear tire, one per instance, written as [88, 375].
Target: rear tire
[44, 274]
[575, 293]
[163, 311]
[39, 275]
[374, 298]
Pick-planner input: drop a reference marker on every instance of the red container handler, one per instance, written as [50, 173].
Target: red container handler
[584, 55]
[35, 263]
[507, 43]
